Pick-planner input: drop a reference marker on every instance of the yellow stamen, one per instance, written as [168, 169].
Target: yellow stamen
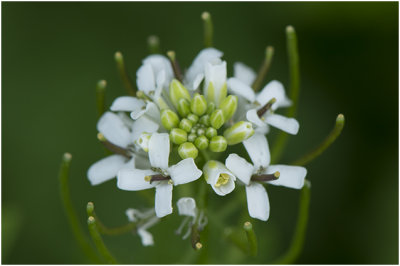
[222, 180]
[147, 178]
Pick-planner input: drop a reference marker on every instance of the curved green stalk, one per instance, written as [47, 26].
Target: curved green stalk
[100, 97]
[294, 72]
[208, 29]
[153, 43]
[106, 230]
[269, 53]
[70, 211]
[324, 144]
[98, 241]
[298, 239]
[251, 238]
[126, 80]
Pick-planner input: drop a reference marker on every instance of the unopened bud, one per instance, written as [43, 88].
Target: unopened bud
[183, 107]
[217, 119]
[192, 137]
[228, 106]
[239, 132]
[205, 120]
[188, 150]
[178, 136]
[169, 119]
[218, 144]
[211, 132]
[201, 142]
[193, 118]
[185, 124]
[177, 91]
[210, 108]
[198, 105]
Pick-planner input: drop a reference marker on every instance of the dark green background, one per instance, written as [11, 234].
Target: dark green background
[54, 53]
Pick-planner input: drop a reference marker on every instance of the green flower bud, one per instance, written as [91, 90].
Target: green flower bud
[192, 137]
[188, 150]
[228, 106]
[211, 132]
[216, 96]
[210, 108]
[194, 118]
[201, 142]
[183, 107]
[169, 119]
[200, 131]
[205, 120]
[178, 136]
[185, 124]
[218, 144]
[238, 132]
[198, 105]
[177, 91]
[217, 119]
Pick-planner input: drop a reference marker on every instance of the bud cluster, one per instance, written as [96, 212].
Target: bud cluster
[197, 123]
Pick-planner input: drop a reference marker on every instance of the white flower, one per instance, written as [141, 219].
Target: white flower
[144, 221]
[187, 207]
[257, 197]
[219, 177]
[161, 175]
[195, 73]
[240, 85]
[117, 130]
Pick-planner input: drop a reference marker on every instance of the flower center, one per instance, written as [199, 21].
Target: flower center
[222, 180]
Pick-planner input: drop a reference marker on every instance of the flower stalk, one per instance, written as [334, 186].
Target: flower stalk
[336, 131]
[100, 97]
[269, 54]
[208, 29]
[126, 80]
[251, 238]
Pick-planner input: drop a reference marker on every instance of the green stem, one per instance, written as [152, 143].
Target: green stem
[153, 43]
[298, 239]
[98, 241]
[269, 53]
[208, 29]
[325, 144]
[126, 80]
[100, 97]
[251, 238]
[106, 230]
[70, 211]
[294, 72]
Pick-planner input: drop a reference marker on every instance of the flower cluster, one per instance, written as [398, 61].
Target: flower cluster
[179, 128]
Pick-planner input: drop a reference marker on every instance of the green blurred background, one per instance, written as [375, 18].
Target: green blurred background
[54, 53]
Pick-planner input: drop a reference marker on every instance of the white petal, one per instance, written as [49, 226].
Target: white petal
[257, 201]
[258, 150]
[240, 88]
[160, 63]
[159, 150]
[289, 125]
[143, 124]
[145, 79]
[273, 89]
[212, 171]
[163, 201]
[253, 117]
[215, 72]
[105, 169]
[150, 109]
[239, 167]
[184, 172]
[133, 179]
[146, 237]
[199, 62]
[290, 176]
[127, 104]
[187, 206]
[244, 73]
[114, 129]
[197, 80]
